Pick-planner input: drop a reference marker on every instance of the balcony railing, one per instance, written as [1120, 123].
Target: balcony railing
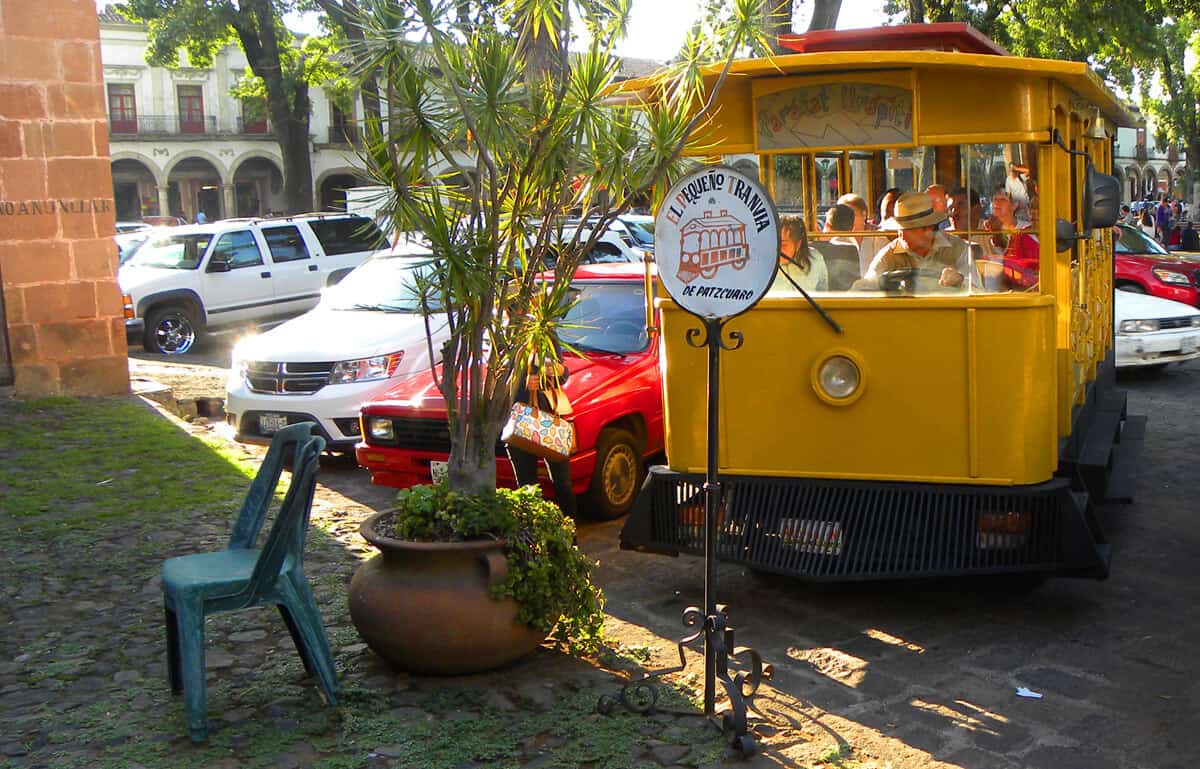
[253, 127]
[163, 125]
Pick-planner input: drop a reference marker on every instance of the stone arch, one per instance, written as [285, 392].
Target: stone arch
[257, 186]
[160, 174]
[135, 187]
[196, 154]
[332, 183]
[196, 184]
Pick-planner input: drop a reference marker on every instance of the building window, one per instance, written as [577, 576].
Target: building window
[191, 109]
[254, 116]
[122, 109]
[341, 126]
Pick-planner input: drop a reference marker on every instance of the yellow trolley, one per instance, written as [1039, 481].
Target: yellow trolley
[896, 432]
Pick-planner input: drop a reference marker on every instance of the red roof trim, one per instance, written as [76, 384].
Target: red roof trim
[940, 36]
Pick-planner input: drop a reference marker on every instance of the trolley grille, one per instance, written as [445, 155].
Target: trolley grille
[831, 530]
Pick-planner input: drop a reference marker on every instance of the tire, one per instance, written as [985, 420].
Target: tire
[170, 330]
[618, 473]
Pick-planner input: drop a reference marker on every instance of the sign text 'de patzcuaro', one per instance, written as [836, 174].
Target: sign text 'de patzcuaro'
[716, 241]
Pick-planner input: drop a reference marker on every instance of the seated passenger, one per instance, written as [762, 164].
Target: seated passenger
[940, 200]
[840, 252]
[799, 268]
[1017, 253]
[868, 245]
[934, 255]
[965, 207]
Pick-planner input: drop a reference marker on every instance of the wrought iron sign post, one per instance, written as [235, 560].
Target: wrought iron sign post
[716, 242]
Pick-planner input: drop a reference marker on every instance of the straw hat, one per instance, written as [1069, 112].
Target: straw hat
[915, 210]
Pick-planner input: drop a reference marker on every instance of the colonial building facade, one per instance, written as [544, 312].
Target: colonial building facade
[1147, 171]
[181, 144]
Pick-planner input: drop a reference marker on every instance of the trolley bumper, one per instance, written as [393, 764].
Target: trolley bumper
[827, 530]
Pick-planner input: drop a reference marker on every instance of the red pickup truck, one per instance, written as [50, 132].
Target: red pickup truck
[615, 386]
[1143, 266]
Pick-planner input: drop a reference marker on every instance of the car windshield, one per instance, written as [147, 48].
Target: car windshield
[127, 244]
[606, 318]
[1133, 241]
[172, 252]
[382, 284]
[642, 231]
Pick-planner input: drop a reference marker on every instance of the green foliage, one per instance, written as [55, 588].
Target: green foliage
[494, 135]
[548, 576]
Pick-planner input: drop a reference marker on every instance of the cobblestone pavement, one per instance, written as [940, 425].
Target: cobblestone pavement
[889, 675]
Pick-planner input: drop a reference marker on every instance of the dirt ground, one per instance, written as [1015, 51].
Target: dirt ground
[927, 675]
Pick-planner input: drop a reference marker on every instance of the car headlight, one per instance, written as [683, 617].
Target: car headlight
[379, 428]
[1172, 277]
[1195, 321]
[1138, 326]
[839, 377]
[241, 355]
[365, 369]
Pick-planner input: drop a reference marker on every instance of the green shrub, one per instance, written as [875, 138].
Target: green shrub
[548, 576]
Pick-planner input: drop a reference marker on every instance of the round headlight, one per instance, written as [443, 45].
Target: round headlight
[839, 377]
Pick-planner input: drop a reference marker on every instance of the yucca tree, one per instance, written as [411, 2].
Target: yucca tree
[493, 134]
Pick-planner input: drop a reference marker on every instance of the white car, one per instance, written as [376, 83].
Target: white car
[1151, 331]
[366, 333]
[184, 281]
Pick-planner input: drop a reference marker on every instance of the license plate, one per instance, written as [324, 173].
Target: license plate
[1188, 344]
[438, 470]
[811, 536]
[269, 424]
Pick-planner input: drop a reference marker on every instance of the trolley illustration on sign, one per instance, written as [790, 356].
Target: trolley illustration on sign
[709, 242]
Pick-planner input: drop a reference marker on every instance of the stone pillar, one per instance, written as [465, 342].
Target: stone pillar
[164, 201]
[66, 332]
[229, 201]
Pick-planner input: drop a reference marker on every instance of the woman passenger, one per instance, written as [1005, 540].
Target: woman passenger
[799, 267]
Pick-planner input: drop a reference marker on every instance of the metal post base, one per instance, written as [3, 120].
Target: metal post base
[640, 695]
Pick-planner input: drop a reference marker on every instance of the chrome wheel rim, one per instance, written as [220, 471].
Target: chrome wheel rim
[174, 335]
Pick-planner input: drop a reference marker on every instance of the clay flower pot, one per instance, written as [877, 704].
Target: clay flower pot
[425, 608]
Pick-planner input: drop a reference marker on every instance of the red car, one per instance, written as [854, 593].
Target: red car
[615, 387]
[1143, 266]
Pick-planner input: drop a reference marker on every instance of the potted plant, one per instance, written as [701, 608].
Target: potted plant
[469, 582]
[494, 135]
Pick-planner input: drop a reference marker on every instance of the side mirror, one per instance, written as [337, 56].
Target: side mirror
[1064, 235]
[1101, 200]
[218, 265]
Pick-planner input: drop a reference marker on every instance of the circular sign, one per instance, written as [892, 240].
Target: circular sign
[716, 242]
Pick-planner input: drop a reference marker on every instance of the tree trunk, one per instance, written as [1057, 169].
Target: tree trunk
[472, 462]
[825, 14]
[292, 135]
[289, 110]
[1193, 173]
[778, 22]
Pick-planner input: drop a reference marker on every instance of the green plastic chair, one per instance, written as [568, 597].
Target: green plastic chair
[242, 576]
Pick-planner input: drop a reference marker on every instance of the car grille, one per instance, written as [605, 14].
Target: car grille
[424, 435]
[287, 378]
[1166, 323]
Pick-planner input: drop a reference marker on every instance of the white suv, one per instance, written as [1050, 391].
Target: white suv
[367, 332]
[186, 280]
